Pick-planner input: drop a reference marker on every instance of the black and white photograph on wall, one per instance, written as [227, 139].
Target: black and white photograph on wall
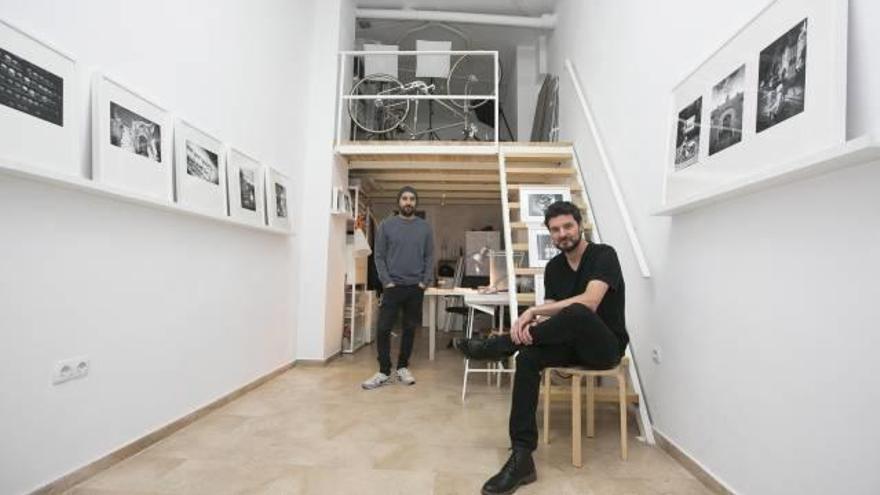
[538, 203]
[782, 77]
[280, 201]
[727, 111]
[134, 133]
[541, 248]
[687, 138]
[248, 190]
[202, 163]
[31, 89]
[535, 198]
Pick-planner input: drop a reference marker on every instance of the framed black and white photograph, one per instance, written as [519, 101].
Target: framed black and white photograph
[37, 84]
[726, 119]
[277, 199]
[246, 186]
[782, 78]
[765, 108]
[534, 199]
[200, 169]
[541, 248]
[131, 141]
[687, 139]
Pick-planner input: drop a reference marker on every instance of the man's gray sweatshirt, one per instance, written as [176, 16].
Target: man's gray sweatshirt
[404, 251]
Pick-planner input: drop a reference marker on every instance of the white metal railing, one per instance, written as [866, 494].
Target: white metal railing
[644, 417]
[609, 171]
[345, 85]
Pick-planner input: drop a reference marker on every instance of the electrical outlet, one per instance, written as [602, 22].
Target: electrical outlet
[657, 355]
[69, 369]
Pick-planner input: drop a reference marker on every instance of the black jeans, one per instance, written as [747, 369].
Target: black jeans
[574, 336]
[409, 299]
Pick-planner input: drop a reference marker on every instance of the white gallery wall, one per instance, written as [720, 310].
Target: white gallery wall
[764, 306]
[173, 311]
[322, 236]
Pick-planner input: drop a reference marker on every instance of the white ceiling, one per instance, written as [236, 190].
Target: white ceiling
[505, 39]
[498, 7]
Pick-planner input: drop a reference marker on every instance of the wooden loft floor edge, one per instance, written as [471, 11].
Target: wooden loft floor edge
[457, 151]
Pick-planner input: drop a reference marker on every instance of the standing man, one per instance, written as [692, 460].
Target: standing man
[404, 260]
[581, 323]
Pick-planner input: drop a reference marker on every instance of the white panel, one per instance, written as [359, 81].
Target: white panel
[432, 65]
[380, 64]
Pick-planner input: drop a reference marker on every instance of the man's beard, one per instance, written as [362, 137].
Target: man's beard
[408, 210]
[575, 241]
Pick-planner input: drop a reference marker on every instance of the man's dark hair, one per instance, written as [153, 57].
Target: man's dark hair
[560, 208]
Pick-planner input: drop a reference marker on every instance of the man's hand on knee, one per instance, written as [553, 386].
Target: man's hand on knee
[527, 333]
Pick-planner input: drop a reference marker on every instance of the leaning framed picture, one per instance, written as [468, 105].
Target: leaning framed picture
[37, 86]
[131, 141]
[200, 169]
[277, 199]
[773, 93]
[541, 248]
[244, 176]
[534, 199]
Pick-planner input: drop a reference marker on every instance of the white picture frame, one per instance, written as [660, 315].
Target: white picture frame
[200, 170]
[131, 141]
[793, 100]
[347, 204]
[246, 188]
[337, 201]
[535, 198]
[38, 84]
[541, 248]
[277, 199]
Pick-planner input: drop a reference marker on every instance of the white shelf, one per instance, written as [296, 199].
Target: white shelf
[863, 149]
[96, 188]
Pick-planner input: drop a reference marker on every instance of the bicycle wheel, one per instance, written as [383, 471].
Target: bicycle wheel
[378, 116]
[470, 75]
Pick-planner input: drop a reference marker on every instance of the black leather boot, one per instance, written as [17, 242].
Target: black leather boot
[492, 349]
[517, 471]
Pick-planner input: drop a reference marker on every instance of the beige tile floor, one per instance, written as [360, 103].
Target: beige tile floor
[313, 430]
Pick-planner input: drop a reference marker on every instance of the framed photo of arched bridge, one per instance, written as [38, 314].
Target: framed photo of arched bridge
[771, 95]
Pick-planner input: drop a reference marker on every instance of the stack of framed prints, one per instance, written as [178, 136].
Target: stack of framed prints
[37, 84]
[533, 201]
[772, 94]
[131, 141]
[139, 152]
[200, 161]
[277, 190]
[246, 184]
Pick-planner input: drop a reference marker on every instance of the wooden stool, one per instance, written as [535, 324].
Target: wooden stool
[577, 374]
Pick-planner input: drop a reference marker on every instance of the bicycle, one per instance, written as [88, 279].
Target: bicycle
[386, 118]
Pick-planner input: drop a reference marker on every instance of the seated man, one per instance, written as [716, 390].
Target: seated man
[581, 323]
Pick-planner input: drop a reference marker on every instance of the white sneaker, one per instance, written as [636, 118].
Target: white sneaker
[405, 377]
[376, 381]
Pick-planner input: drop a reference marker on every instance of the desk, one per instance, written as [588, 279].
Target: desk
[432, 293]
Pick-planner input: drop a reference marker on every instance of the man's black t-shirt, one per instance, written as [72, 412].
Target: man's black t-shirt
[599, 262]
